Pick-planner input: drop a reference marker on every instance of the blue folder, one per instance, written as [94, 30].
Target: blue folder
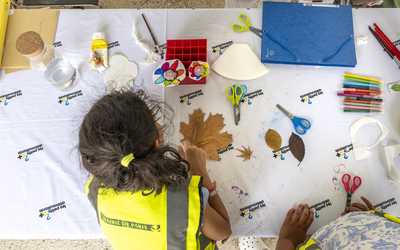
[308, 34]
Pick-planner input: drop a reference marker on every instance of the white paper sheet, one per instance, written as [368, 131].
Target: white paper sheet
[239, 62]
[359, 152]
[393, 172]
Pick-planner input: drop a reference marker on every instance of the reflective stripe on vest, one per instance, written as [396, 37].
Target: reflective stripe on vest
[92, 195]
[309, 244]
[206, 244]
[170, 220]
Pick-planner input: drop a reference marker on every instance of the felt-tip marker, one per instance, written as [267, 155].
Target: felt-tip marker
[362, 90]
[363, 104]
[362, 87]
[361, 93]
[361, 80]
[359, 101]
[359, 107]
[361, 111]
[352, 95]
[362, 77]
[362, 84]
[364, 99]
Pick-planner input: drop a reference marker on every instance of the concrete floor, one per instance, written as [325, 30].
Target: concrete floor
[97, 244]
[102, 244]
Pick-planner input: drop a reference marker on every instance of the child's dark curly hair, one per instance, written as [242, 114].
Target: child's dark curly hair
[122, 123]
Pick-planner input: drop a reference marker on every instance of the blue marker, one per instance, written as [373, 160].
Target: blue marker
[361, 84]
[360, 87]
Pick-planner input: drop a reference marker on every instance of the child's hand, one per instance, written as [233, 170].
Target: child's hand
[296, 224]
[356, 207]
[197, 158]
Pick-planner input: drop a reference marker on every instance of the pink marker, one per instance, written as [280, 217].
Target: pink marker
[360, 93]
[359, 107]
[362, 96]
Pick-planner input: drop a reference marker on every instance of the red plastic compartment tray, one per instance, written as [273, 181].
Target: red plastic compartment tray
[187, 51]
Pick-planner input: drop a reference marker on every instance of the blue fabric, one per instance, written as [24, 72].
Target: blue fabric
[359, 230]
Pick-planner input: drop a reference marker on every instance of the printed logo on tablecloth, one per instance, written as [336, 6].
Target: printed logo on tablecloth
[220, 48]
[279, 153]
[65, 99]
[25, 154]
[45, 212]
[5, 99]
[247, 97]
[221, 151]
[187, 98]
[306, 98]
[57, 44]
[342, 152]
[160, 49]
[385, 204]
[113, 44]
[319, 206]
[247, 210]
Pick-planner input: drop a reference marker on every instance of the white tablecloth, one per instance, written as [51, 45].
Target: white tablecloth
[257, 192]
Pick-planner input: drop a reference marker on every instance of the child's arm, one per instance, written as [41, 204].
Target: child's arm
[294, 227]
[216, 225]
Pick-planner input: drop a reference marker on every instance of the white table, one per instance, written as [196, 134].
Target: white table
[53, 176]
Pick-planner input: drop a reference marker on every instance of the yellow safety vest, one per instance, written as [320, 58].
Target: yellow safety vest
[170, 220]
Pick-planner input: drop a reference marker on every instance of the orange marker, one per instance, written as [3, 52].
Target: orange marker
[361, 101]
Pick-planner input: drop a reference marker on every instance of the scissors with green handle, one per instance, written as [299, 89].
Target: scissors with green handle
[235, 93]
[240, 28]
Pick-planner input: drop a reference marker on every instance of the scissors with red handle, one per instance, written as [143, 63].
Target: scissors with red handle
[350, 190]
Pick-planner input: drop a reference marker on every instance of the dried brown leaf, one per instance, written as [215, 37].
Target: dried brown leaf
[246, 153]
[205, 134]
[296, 146]
[273, 139]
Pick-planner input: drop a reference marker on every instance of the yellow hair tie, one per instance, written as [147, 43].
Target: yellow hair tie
[125, 161]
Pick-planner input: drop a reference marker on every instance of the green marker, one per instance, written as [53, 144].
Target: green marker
[361, 80]
[361, 111]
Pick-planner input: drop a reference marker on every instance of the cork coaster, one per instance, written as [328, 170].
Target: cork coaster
[30, 44]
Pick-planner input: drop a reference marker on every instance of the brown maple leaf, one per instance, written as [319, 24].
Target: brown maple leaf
[246, 153]
[205, 134]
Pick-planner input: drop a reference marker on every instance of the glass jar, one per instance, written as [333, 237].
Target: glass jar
[48, 61]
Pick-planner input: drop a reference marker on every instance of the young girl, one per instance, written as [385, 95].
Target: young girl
[147, 195]
[363, 228]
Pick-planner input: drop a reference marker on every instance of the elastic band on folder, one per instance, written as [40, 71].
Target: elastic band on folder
[283, 47]
[329, 58]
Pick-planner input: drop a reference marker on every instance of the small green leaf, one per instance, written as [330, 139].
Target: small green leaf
[396, 87]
